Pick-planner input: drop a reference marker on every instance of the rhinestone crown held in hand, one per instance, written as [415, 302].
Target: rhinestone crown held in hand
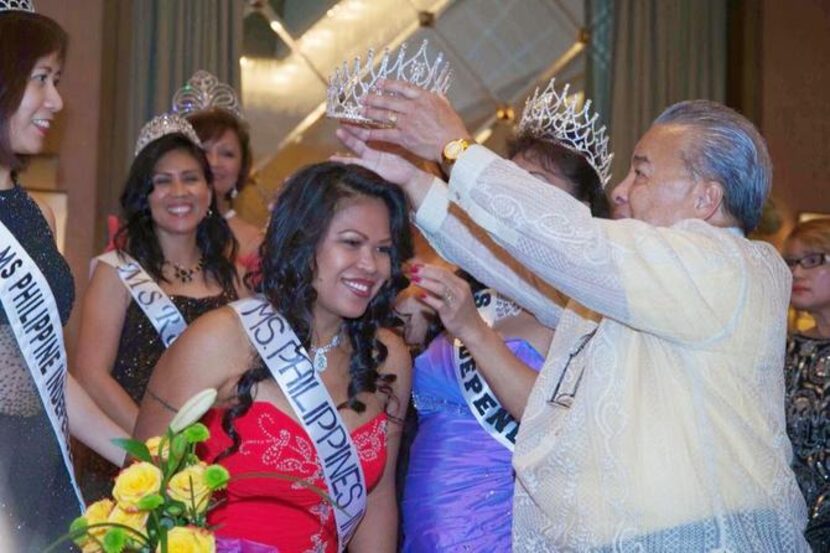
[348, 87]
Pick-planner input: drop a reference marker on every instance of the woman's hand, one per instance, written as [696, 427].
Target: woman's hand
[450, 297]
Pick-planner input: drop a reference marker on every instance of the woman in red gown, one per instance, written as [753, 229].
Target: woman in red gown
[331, 265]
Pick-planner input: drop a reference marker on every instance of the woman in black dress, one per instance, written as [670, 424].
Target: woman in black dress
[173, 230]
[807, 252]
[37, 497]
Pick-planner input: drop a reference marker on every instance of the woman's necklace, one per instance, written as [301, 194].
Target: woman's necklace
[185, 275]
[319, 361]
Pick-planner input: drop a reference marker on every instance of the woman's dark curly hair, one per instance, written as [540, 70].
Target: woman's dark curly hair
[567, 163]
[299, 223]
[137, 235]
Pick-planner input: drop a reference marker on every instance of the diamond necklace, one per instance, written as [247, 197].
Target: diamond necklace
[185, 275]
[320, 362]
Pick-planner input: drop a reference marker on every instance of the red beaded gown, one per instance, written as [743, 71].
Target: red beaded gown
[281, 514]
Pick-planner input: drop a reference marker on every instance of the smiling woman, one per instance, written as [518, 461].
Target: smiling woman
[38, 400]
[331, 268]
[174, 262]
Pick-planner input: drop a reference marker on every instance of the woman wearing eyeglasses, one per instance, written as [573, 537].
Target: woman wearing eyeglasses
[807, 252]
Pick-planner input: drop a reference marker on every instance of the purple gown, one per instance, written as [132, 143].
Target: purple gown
[458, 494]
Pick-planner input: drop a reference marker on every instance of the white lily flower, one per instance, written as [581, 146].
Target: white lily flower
[193, 409]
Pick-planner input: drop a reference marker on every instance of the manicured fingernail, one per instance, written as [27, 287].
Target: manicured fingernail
[414, 278]
[414, 269]
[421, 295]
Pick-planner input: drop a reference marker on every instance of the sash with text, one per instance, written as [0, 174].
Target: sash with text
[148, 295]
[481, 400]
[36, 323]
[289, 363]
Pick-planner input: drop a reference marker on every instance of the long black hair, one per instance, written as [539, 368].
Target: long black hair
[137, 235]
[299, 222]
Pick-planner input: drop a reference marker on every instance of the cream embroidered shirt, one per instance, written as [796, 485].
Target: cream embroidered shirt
[657, 421]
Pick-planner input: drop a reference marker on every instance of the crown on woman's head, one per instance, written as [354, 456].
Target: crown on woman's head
[160, 125]
[17, 5]
[205, 91]
[552, 116]
[347, 89]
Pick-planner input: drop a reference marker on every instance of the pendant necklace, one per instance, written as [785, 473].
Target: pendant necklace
[319, 361]
[185, 275]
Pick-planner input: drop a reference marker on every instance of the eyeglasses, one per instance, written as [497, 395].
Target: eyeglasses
[808, 261]
[566, 399]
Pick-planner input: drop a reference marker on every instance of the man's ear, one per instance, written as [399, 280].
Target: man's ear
[709, 198]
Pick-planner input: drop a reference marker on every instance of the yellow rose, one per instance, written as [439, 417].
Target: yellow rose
[189, 486]
[91, 547]
[96, 513]
[135, 520]
[189, 539]
[153, 445]
[135, 483]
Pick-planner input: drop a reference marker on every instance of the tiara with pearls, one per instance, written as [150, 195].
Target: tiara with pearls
[552, 116]
[347, 88]
[204, 91]
[160, 125]
[17, 5]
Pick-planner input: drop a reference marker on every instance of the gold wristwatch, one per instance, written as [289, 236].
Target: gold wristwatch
[453, 150]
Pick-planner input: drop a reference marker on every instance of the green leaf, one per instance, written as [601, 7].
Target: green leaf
[135, 448]
[196, 433]
[78, 525]
[150, 502]
[114, 540]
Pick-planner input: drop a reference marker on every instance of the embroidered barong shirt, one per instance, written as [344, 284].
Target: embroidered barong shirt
[657, 421]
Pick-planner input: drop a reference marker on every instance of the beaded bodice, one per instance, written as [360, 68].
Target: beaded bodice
[141, 347]
[22, 216]
[808, 415]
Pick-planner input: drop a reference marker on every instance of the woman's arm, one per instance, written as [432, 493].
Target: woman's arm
[378, 531]
[508, 377]
[212, 353]
[103, 310]
[91, 425]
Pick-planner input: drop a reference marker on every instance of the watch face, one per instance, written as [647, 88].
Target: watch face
[453, 149]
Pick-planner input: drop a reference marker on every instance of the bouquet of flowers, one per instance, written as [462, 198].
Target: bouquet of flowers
[159, 503]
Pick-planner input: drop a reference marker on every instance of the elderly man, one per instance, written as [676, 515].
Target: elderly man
[657, 422]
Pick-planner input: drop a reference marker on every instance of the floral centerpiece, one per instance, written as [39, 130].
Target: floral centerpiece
[159, 503]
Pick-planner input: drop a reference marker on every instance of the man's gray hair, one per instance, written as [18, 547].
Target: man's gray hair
[728, 149]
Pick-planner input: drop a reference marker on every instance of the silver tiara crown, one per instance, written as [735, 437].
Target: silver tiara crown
[17, 5]
[205, 91]
[550, 115]
[348, 87]
[160, 125]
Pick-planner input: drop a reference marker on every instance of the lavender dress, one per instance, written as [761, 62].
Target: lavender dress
[458, 494]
